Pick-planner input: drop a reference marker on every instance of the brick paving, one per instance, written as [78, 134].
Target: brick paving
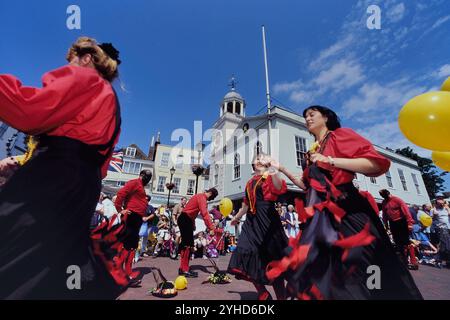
[433, 283]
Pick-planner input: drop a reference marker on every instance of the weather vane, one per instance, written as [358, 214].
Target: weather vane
[233, 83]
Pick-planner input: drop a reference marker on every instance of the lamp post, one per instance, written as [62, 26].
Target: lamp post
[170, 185]
[198, 169]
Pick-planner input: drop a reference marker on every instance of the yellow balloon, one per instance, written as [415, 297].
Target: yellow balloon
[225, 207]
[181, 283]
[425, 119]
[446, 85]
[441, 159]
[426, 220]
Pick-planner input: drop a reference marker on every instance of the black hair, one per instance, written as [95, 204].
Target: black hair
[144, 173]
[333, 121]
[214, 193]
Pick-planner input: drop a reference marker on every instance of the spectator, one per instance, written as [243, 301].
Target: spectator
[200, 244]
[162, 235]
[211, 249]
[175, 214]
[216, 213]
[414, 211]
[98, 214]
[291, 221]
[109, 210]
[144, 231]
[441, 214]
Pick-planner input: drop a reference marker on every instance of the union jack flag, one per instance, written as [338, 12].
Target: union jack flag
[116, 163]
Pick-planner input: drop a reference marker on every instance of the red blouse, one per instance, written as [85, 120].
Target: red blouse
[75, 102]
[270, 192]
[346, 143]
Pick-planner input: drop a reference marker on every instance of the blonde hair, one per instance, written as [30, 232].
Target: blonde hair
[103, 63]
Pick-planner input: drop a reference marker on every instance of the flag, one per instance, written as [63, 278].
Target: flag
[116, 163]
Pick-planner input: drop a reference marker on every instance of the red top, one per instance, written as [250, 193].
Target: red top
[346, 143]
[270, 192]
[74, 102]
[132, 197]
[199, 203]
[395, 209]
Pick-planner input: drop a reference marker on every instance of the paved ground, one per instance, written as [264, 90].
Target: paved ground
[433, 283]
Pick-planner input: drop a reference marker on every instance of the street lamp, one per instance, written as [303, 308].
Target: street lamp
[198, 169]
[170, 185]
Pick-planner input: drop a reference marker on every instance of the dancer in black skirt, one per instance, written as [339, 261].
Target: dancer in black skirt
[46, 206]
[343, 241]
[262, 238]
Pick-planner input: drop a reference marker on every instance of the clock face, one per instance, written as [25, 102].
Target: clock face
[245, 127]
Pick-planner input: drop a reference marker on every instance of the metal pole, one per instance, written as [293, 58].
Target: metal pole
[168, 202]
[269, 102]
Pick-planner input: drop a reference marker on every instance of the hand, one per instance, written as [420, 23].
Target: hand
[211, 232]
[125, 211]
[317, 157]
[7, 166]
[234, 221]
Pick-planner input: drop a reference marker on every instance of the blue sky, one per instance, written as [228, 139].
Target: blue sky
[178, 56]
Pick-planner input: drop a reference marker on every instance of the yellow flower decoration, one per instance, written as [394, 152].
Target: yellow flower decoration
[314, 147]
[31, 147]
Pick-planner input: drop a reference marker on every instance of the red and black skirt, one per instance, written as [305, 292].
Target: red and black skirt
[343, 243]
[262, 240]
[45, 212]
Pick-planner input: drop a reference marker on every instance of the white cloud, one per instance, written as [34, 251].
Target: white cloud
[440, 21]
[334, 49]
[373, 97]
[443, 72]
[342, 75]
[287, 86]
[388, 134]
[396, 13]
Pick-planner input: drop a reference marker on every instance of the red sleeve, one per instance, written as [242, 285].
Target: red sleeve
[349, 144]
[123, 195]
[36, 110]
[270, 190]
[405, 212]
[203, 207]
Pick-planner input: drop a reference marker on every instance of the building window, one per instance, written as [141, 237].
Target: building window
[216, 175]
[161, 184]
[373, 180]
[259, 148]
[3, 129]
[130, 152]
[416, 182]
[179, 164]
[389, 179]
[165, 159]
[402, 179]
[132, 167]
[235, 143]
[237, 167]
[300, 149]
[238, 108]
[230, 107]
[177, 183]
[191, 186]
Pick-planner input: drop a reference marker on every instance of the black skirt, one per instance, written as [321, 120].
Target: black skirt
[343, 251]
[262, 240]
[45, 212]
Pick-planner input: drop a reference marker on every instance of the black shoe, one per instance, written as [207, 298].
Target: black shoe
[194, 273]
[187, 274]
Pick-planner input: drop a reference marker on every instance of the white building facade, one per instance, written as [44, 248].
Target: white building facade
[238, 137]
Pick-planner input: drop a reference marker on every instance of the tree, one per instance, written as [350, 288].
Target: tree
[431, 177]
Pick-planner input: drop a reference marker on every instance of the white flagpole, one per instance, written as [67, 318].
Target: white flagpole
[269, 102]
